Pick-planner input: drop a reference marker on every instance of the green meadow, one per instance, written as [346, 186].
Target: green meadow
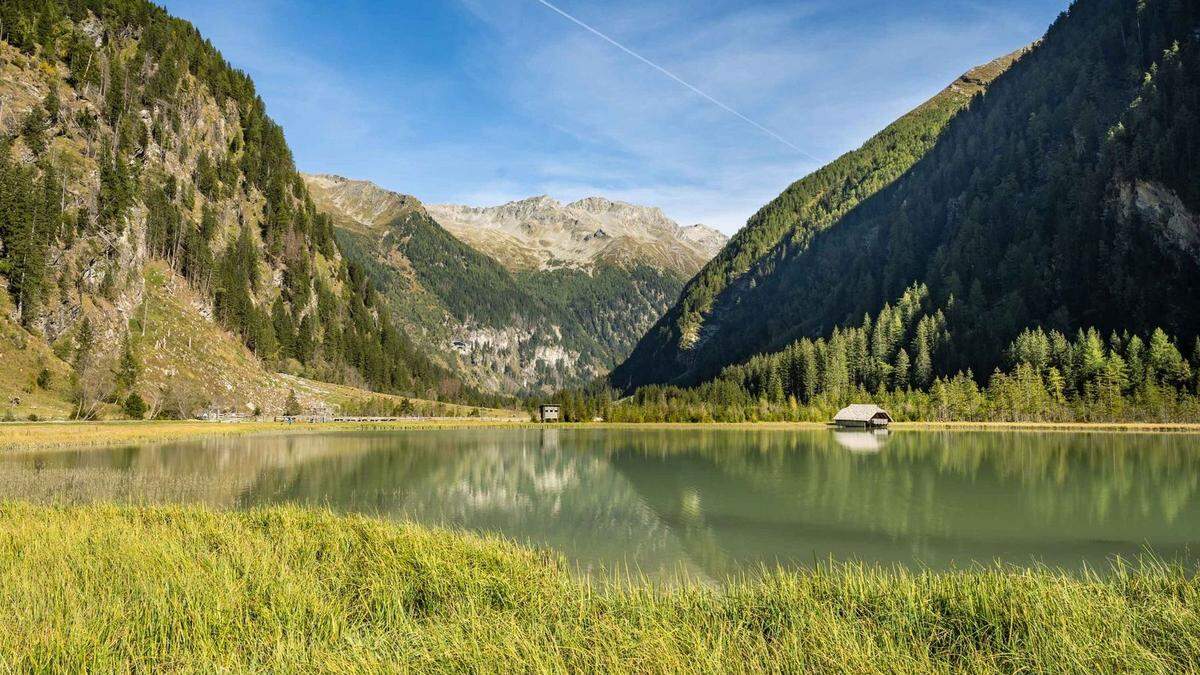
[115, 589]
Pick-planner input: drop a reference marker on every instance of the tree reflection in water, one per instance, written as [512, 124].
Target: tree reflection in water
[705, 502]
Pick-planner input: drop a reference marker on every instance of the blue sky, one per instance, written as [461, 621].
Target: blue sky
[484, 101]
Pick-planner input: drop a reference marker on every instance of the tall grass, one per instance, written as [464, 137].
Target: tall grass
[106, 588]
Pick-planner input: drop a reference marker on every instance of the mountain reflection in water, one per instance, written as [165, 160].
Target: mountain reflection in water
[704, 502]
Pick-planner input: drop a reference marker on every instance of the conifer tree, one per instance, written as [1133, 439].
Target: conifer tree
[900, 371]
[292, 406]
[1166, 364]
[84, 344]
[115, 101]
[52, 104]
[134, 406]
[775, 387]
[283, 328]
[128, 369]
[33, 130]
[43, 376]
[1055, 385]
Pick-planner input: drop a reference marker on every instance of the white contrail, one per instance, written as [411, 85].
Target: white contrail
[677, 79]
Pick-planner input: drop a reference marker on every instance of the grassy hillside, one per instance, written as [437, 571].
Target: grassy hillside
[186, 364]
[108, 588]
[790, 222]
[127, 142]
[26, 390]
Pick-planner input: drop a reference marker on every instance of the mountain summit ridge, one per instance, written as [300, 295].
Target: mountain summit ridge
[361, 202]
[537, 232]
[543, 233]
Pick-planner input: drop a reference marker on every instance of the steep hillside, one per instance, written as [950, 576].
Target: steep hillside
[127, 141]
[534, 312]
[671, 349]
[540, 233]
[1064, 198]
[185, 364]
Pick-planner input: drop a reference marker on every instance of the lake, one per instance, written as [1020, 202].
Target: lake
[706, 502]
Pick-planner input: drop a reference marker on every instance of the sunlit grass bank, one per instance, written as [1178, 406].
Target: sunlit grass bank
[108, 588]
[48, 435]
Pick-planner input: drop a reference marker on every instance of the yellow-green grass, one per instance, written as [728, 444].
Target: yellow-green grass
[22, 356]
[112, 589]
[346, 398]
[50, 435]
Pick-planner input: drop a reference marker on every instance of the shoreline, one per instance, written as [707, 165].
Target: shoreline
[32, 436]
[1076, 427]
[46, 435]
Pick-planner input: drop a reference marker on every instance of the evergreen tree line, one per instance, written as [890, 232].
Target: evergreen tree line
[31, 215]
[893, 359]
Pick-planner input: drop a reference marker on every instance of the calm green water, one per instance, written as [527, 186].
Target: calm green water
[706, 502]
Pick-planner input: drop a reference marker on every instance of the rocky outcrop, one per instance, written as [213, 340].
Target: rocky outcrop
[1178, 228]
[359, 203]
[541, 233]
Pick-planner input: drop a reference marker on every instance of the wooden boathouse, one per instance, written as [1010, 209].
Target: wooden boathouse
[862, 416]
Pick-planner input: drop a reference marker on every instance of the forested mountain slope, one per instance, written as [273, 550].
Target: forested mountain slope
[667, 352]
[127, 142]
[495, 305]
[1064, 198]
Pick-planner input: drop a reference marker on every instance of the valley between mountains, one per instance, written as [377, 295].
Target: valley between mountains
[1033, 223]
[527, 297]
[933, 408]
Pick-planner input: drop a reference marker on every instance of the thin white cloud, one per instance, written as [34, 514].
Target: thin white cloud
[836, 82]
[678, 80]
[529, 104]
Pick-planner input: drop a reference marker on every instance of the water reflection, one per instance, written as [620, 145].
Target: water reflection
[865, 440]
[705, 502]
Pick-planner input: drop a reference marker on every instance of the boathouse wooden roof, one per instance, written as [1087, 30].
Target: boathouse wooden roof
[861, 412]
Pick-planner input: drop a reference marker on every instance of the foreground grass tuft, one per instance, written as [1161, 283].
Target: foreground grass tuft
[106, 588]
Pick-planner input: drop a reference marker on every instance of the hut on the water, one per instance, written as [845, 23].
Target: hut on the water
[862, 416]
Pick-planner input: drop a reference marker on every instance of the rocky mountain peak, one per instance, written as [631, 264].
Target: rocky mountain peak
[704, 235]
[594, 204]
[530, 206]
[537, 232]
[540, 233]
[360, 202]
[647, 216]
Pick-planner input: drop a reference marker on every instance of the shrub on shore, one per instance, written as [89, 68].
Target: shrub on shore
[107, 588]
